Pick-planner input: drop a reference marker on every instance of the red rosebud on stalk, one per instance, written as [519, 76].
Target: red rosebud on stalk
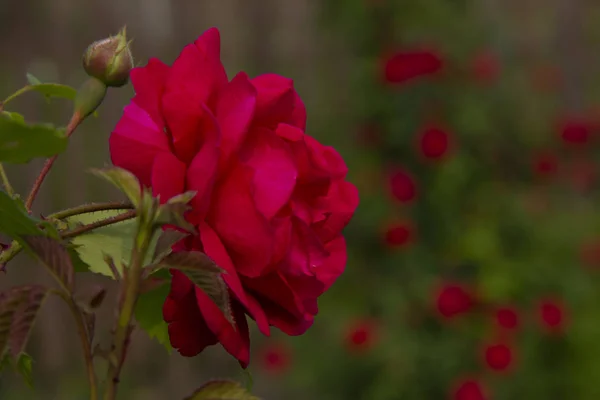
[109, 60]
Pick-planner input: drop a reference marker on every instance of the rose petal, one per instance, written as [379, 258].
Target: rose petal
[236, 342]
[234, 112]
[198, 69]
[339, 205]
[217, 252]
[283, 308]
[149, 82]
[274, 171]
[135, 142]
[333, 266]
[241, 227]
[185, 120]
[306, 251]
[202, 170]
[168, 176]
[188, 332]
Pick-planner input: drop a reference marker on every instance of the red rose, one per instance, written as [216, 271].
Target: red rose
[275, 358]
[399, 235]
[575, 131]
[453, 299]
[545, 164]
[498, 356]
[434, 142]
[361, 335]
[507, 318]
[406, 65]
[271, 201]
[469, 389]
[552, 315]
[402, 186]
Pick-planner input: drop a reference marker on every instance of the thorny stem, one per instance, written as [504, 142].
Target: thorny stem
[89, 208]
[15, 247]
[130, 289]
[98, 224]
[6, 182]
[86, 342]
[76, 119]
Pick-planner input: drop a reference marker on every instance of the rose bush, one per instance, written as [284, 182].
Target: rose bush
[270, 200]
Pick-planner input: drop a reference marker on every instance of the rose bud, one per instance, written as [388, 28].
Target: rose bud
[109, 60]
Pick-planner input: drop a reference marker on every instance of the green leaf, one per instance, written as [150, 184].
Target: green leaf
[221, 390]
[24, 368]
[165, 242]
[204, 273]
[148, 314]
[14, 220]
[123, 180]
[114, 241]
[18, 308]
[173, 212]
[55, 90]
[24, 318]
[14, 116]
[32, 80]
[20, 142]
[55, 257]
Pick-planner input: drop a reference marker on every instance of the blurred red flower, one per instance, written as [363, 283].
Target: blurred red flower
[434, 142]
[575, 131]
[498, 356]
[275, 357]
[545, 164]
[485, 67]
[361, 335]
[403, 186]
[453, 299]
[469, 389]
[552, 315]
[399, 235]
[507, 318]
[403, 66]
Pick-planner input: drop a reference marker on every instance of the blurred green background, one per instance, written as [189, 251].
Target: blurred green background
[474, 256]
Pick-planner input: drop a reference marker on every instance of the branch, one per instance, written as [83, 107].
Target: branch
[15, 247]
[9, 189]
[89, 208]
[99, 224]
[76, 119]
[86, 342]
